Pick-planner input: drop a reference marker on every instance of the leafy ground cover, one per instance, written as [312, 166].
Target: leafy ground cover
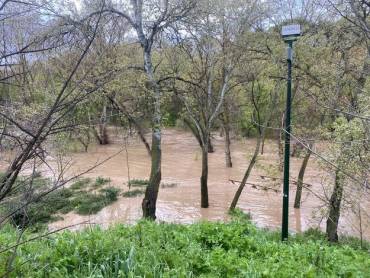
[148, 249]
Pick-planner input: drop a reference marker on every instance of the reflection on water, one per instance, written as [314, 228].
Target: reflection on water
[182, 165]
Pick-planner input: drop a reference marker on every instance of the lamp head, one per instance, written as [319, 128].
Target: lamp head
[290, 32]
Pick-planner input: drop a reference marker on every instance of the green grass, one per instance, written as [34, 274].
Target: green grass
[81, 184]
[144, 183]
[149, 249]
[111, 193]
[78, 197]
[43, 211]
[138, 183]
[99, 181]
[86, 203]
[133, 193]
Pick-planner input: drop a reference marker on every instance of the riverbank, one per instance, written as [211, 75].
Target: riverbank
[205, 249]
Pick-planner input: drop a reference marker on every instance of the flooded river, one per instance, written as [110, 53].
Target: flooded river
[182, 165]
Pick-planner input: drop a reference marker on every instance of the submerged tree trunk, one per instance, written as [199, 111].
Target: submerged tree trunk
[334, 209]
[247, 173]
[255, 155]
[204, 179]
[151, 193]
[298, 194]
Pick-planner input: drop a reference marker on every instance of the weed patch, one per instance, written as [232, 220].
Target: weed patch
[149, 249]
[133, 193]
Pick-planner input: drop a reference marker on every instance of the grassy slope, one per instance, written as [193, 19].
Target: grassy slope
[236, 249]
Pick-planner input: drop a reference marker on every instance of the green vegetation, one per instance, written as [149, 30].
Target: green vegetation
[138, 183]
[81, 184]
[90, 203]
[148, 249]
[101, 181]
[133, 193]
[79, 197]
[44, 210]
[144, 183]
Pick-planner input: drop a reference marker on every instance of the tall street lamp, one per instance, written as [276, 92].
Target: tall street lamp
[290, 33]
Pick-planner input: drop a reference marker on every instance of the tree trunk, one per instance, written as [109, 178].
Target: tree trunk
[225, 120]
[151, 193]
[102, 134]
[210, 146]
[229, 163]
[204, 179]
[255, 155]
[263, 143]
[298, 194]
[247, 173]
[334, 209]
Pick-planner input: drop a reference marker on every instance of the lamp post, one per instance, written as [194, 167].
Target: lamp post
[290, 33]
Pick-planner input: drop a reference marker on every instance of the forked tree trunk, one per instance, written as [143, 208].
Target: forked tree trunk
[334, 209]
[204, 179]
[298, 194]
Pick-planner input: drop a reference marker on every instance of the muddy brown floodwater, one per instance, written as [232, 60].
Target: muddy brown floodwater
[182, 165]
